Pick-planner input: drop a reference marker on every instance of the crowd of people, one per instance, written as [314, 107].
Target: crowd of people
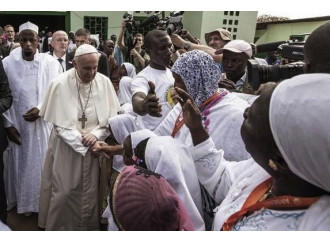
[165, 135]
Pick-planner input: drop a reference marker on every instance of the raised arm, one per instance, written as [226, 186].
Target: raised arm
[179, 42]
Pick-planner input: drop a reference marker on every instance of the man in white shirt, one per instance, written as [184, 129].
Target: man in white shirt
[29, 75]
[151, 88]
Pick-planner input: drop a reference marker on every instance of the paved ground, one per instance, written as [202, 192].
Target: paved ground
[19, 222]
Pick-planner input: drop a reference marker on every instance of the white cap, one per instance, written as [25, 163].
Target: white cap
[85, 49]
[30, 26]
[238, 46]
[96, 38]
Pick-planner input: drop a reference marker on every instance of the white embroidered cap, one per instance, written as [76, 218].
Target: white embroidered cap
[30, 26]
[85, 49]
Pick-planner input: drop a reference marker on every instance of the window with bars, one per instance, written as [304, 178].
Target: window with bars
[97, 25]
[224, 21]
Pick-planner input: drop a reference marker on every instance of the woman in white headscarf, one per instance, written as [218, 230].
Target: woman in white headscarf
[155, 153]
[126, 74]
[127, 69]
[286, 185]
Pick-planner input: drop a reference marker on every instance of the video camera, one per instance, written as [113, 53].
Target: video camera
[132, 25]
[172, 24]
[259, 74]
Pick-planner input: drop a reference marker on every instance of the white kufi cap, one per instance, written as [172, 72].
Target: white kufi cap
[85, 49]
[30, 26]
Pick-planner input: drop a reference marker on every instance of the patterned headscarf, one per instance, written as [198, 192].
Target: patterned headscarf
[299, 119]
[199, 73]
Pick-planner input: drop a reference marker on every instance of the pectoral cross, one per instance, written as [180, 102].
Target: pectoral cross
[83, 119]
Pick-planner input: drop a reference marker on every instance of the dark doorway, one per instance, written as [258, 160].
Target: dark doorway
[48, 21]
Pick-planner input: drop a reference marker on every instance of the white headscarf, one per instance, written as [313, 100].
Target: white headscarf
[131, 72]
[299, 118]
[172, 159]
[125, 93]
[122, 125]
[138, 136]
[95, 37]
[199, 73]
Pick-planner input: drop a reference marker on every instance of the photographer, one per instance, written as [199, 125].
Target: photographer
[138, 57]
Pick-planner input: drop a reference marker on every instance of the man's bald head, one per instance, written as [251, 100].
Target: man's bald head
[60, 43]
[317, 50]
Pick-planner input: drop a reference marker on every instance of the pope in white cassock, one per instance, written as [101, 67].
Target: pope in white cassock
[79, 103]
[29, 74]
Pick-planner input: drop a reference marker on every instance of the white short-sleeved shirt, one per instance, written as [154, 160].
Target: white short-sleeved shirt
[164, 82]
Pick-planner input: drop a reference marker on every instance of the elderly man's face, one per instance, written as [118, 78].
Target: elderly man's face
[60, 43]
[216, 42]
[234, 64]
[29, 42]
[108, 47]
[86, 66]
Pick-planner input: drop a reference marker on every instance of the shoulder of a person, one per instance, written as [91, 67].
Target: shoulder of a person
[102, 53]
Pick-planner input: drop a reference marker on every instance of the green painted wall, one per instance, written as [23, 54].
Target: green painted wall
[114, 19]
[279, 32]
[199, 23]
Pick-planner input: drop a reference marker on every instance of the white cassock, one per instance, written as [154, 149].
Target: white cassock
[70, 179]
[28, 81]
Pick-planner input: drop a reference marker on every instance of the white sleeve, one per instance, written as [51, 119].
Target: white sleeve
[214, 172]
[73, 138]
[140, 84]
[168, 123]
[101, 133]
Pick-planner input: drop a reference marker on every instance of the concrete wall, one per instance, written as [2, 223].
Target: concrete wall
[247, 25]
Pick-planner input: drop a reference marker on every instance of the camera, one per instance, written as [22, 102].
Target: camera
[290, 50]
[131, 24]
[259, 74]
[172, 24]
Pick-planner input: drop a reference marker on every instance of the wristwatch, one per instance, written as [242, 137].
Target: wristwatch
[186, 46]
